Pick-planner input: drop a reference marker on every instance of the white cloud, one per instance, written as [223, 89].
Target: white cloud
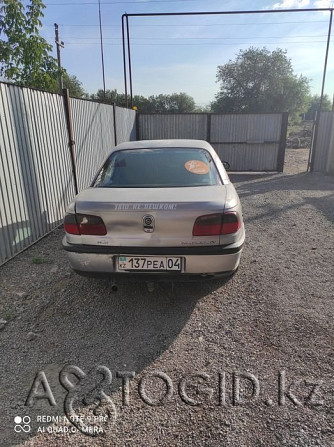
[324, 3]
[287, 4]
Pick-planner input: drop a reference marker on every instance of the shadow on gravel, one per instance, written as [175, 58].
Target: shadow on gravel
[263, 182]
[257, 184]
[125, 330]
[83, 323]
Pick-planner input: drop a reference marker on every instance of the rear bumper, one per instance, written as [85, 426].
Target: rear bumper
[209, 261]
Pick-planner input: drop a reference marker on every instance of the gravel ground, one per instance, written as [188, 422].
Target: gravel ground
[274, 315]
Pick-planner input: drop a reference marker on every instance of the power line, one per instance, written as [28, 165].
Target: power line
[118, 2]
[202, 24]
[201, 43]
[198, 38]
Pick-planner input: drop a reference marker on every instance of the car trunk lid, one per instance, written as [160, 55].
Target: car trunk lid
[127, 212]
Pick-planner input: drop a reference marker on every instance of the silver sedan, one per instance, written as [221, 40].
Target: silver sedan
[160, 208]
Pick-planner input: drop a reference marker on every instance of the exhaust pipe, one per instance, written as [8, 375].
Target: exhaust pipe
[114, 288]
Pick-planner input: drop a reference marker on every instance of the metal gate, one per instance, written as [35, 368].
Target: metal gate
[249, 142]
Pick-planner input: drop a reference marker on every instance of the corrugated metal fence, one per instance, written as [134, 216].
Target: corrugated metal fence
[175, 125]
[323, 147]
[96, 131]
[249, 142]
[36, 181]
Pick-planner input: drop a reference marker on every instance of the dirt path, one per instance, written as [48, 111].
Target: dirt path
[296, 161]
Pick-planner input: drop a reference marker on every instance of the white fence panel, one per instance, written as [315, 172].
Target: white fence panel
[36, 180]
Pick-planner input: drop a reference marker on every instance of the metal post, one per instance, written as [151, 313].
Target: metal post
[102, 57]
[58, 46]
[208, 127]
[115, 123]
[282, 142]
[317, 120]
[129, 59]
[68, 113]
[137, 126]
[124, 63]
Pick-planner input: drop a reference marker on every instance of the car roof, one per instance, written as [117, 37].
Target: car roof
[166, 144]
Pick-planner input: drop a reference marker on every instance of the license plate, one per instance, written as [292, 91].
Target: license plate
[149, 263]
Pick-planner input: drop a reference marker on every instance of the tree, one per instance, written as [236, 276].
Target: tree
[203, 109]
[261, 81]
[24, 55]
[314, 106]
[174, 103]
[109, 98]
[73, 84]
[113, 97]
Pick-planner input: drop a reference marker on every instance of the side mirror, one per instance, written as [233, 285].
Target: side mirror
[226, 165]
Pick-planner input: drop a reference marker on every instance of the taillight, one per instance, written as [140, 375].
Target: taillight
[231, 223]
[71, 224]
[209, 225]
[84, 224]
[91, 225]
[216, 224]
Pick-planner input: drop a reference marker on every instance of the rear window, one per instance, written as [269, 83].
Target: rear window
[158, 168]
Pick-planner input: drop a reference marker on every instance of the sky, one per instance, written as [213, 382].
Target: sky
[179, 53]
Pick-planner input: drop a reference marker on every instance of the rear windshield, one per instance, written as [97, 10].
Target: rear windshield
[160, 168]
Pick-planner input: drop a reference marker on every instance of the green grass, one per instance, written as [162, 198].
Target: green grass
[7, 315]
[39, 260]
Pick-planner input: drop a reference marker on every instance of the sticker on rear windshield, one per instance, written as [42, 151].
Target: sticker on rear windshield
[197, 167]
